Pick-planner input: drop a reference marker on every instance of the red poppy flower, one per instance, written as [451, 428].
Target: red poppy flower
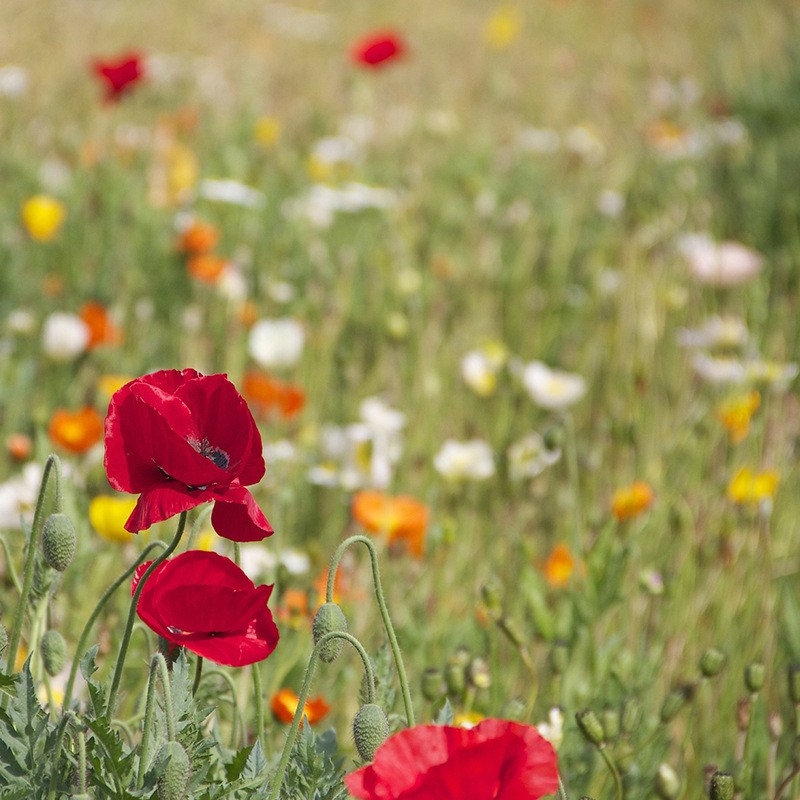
[377, 49]
[180, 439]
[495, 760]
[202, 601]
[120, 74]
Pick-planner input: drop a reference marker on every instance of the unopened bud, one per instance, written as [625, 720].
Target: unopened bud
[54, 652]
[329, 619]
[58, 541]
[743, 713]
[794, 683]
[610, 720]
[675, 701]
[712, 662]
[722, 786]
[432, 684]
[559, 657]
[455, 676]
[774, 726]
[478, 674]
[175, 771]
[668, 784]
[630, 715]
[370, 730]
[755, 676]
[590, 726]
[461, 656]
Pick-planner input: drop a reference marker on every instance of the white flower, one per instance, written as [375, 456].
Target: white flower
[479, 373]
[280, 451]
[551, 388]
[232, 285]
[21, 321]
[715, 332]
[13, 80]
[553, 729]
[281, 291]
[18, 496]
[233, 192]
[719, 264]
[529, 457]
[335, 150]
[320, 204]
[64, 336]
[465, 461]
[295, 561]
[276, 343]
[772, 373]
[384, 424]
[718, 370]
[585, 143]
[610, 203]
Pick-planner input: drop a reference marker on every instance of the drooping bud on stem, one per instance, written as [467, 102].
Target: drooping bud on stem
[712, 662]
[432, 684]
[54, 652]
[329, 618]
[590, 727]
[755, 676]
[370, 730]
[58, 541]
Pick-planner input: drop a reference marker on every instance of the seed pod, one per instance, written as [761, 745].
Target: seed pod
[175, 771]
[755, 676]
[58, 541]
[668, 784]
[54, 652]
[329, 618]
[712, 662]
[370, 730]
[455, 675]
[722, 786]
[590, 726]
[432, 684]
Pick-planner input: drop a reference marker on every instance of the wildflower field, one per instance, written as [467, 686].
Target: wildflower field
[398, 401]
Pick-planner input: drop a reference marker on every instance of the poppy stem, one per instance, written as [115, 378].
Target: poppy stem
[258, 692]
[277, 778]
[158, 663]
[198, 674]
[376, 580]
[53, 464]
[126, 636]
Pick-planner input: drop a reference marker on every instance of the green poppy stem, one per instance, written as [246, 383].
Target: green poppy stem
[157, 665]
[387, 622]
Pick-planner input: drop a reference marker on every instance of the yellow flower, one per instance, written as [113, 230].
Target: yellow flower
[467, 719]
[631, 500]
[205, 540]
[108, 384]
[735, 414]
[267, 131]
[559, 566]
[182, 171]
[503, 27]
[108, 515]
[747, 486]
[43, 217]
[320, 171]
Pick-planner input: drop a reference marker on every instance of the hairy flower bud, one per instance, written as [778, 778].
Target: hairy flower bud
[175, 771]
[370, 730]
[590, 726]
[58, 541]
[329, 618]
[722, 786]
[712, 662]
[755, 676]
[455, 675]
[54, 652]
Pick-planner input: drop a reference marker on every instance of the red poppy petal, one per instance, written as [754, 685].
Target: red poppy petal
[236, 516]
[224, 609]
[161, 501]
[237, 650]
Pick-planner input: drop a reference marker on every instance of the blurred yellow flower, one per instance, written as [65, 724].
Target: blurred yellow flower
[267, 131]
[630, 501]
[108, 384]
[43, 216]
[205, 540]
[182, 171]
[747, 486]
[467, 719]
[108, 515]
[735, 414]
[503, 27]
[320, 171]
[559, 566]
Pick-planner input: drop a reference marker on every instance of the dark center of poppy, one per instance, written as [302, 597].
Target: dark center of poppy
[215, 454]
[178, 632]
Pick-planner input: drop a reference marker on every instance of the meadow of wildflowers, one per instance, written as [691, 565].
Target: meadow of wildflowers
[399, 401]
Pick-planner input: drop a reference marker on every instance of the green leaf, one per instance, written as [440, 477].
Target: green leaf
[445, 714]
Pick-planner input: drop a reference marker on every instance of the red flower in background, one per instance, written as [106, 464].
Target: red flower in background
[377, 49]
[202, 601]
[495, 760]
[119, 75]
[180, 439]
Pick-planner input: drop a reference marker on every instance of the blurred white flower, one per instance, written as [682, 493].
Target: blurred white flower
[21, 321]
[529, 457]
[301, 23]
[715, 332]
[551, 388]
[320, 204]
[479, 373]
[333, 150]
[13, 80]
[18, 496]
[280, 451]
[276, 343]
[233, 192]
[64, 336]
[772, 373]
[281, 291]
[718, 370]
[719, 264]
[553, 729]
[232, 285]
[465, 461]
[584, 142]
[610, 203]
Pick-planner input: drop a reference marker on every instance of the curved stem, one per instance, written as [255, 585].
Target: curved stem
[612, 768]
[126, 636]
[387, 623]
[234, 702]
[53, 462]
[277, 778]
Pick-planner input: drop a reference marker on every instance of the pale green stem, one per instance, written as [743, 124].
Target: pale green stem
[52, 462]
[612, 768]
[258, 692]
[562, 792]
[277, 778]
[158, 668]
[387, 623]
[126, 636]
[81, 762]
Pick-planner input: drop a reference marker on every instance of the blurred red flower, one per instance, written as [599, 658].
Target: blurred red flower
[180, 439]
[202, 601]
[119, 75]
[377, 49]
[495, 759]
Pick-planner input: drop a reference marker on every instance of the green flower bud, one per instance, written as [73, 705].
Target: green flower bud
[668, 784]
[478, 674]
[609, 717]
[590, 726]
[794, 683]
[54, 652]
[58, 541]
[630, 715]
[329, 618]
[432, 684]
[175, 771]
[370, 730]
[675, 701]
[3, 639]
[712, 662]
[722, 786]
[755, 675]
[455, 676]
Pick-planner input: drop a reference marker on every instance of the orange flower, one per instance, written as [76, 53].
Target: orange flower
[198, 238]
[267, 393]
[632, 500]
[284, 705]
[76, 431]
[206, 267]
[101, 329]
[559, 566]
[402, 518]
[735, 414]
[248, 313]
[293, 608]
[19, 446]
